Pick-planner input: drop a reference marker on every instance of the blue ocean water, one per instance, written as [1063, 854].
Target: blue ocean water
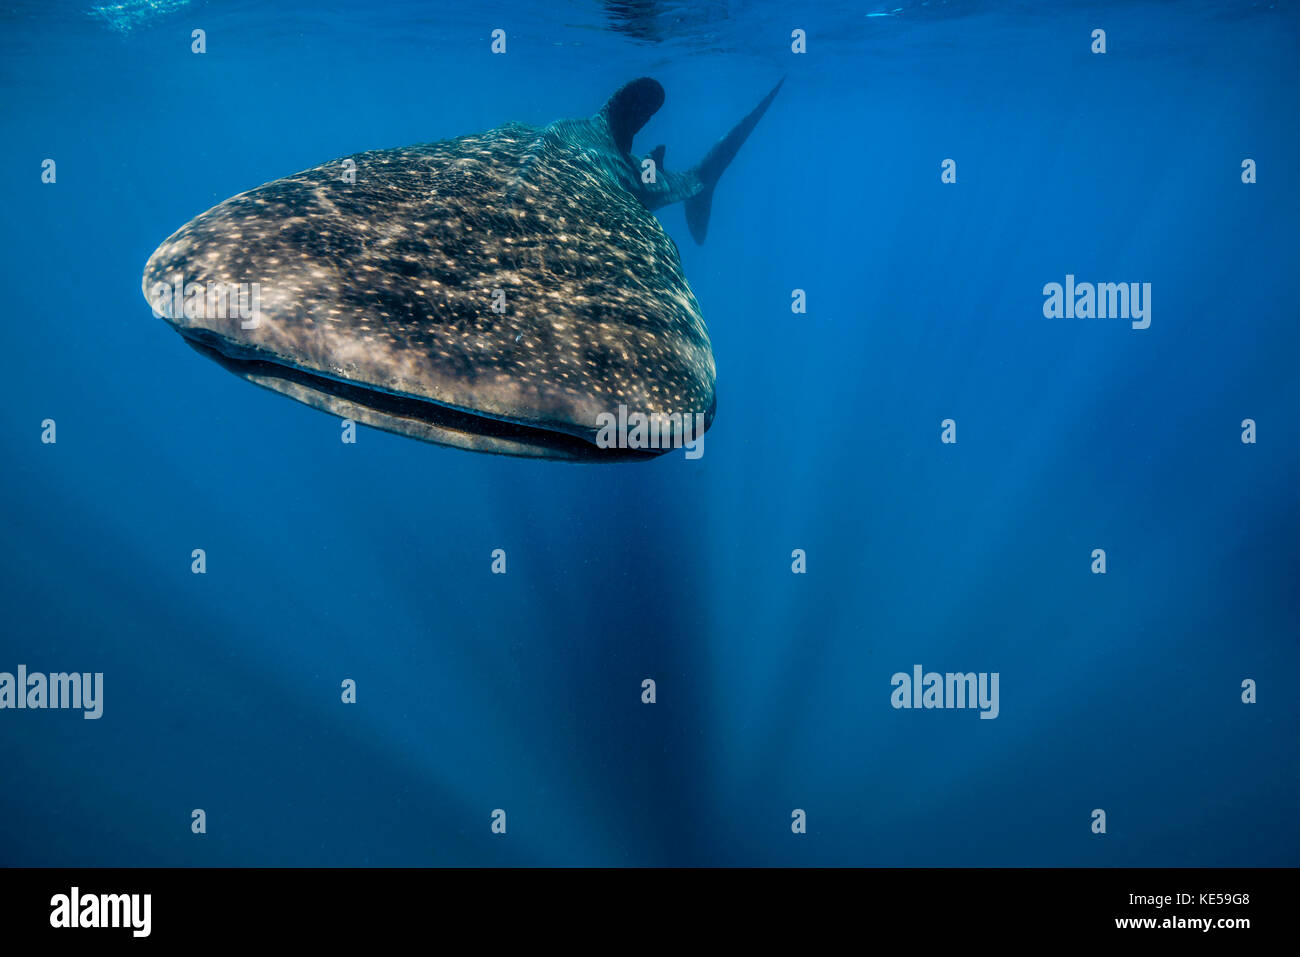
[523, 692]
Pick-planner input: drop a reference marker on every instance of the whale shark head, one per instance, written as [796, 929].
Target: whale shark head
[507, 291]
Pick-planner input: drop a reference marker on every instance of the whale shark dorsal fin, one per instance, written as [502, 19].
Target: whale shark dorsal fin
[657, 154]
[628, 110]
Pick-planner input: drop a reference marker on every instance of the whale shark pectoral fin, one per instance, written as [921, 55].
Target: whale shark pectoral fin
[628, 110]
[657, 154]
[716, 161]
[698, 208]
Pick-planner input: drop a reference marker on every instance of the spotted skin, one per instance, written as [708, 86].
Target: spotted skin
[376, 296]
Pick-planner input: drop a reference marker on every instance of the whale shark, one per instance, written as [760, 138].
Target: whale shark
[509, 291]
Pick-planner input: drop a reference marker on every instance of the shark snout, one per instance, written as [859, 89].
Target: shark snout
[199, 295]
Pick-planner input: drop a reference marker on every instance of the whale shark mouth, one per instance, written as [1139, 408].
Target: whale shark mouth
[404, 414]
